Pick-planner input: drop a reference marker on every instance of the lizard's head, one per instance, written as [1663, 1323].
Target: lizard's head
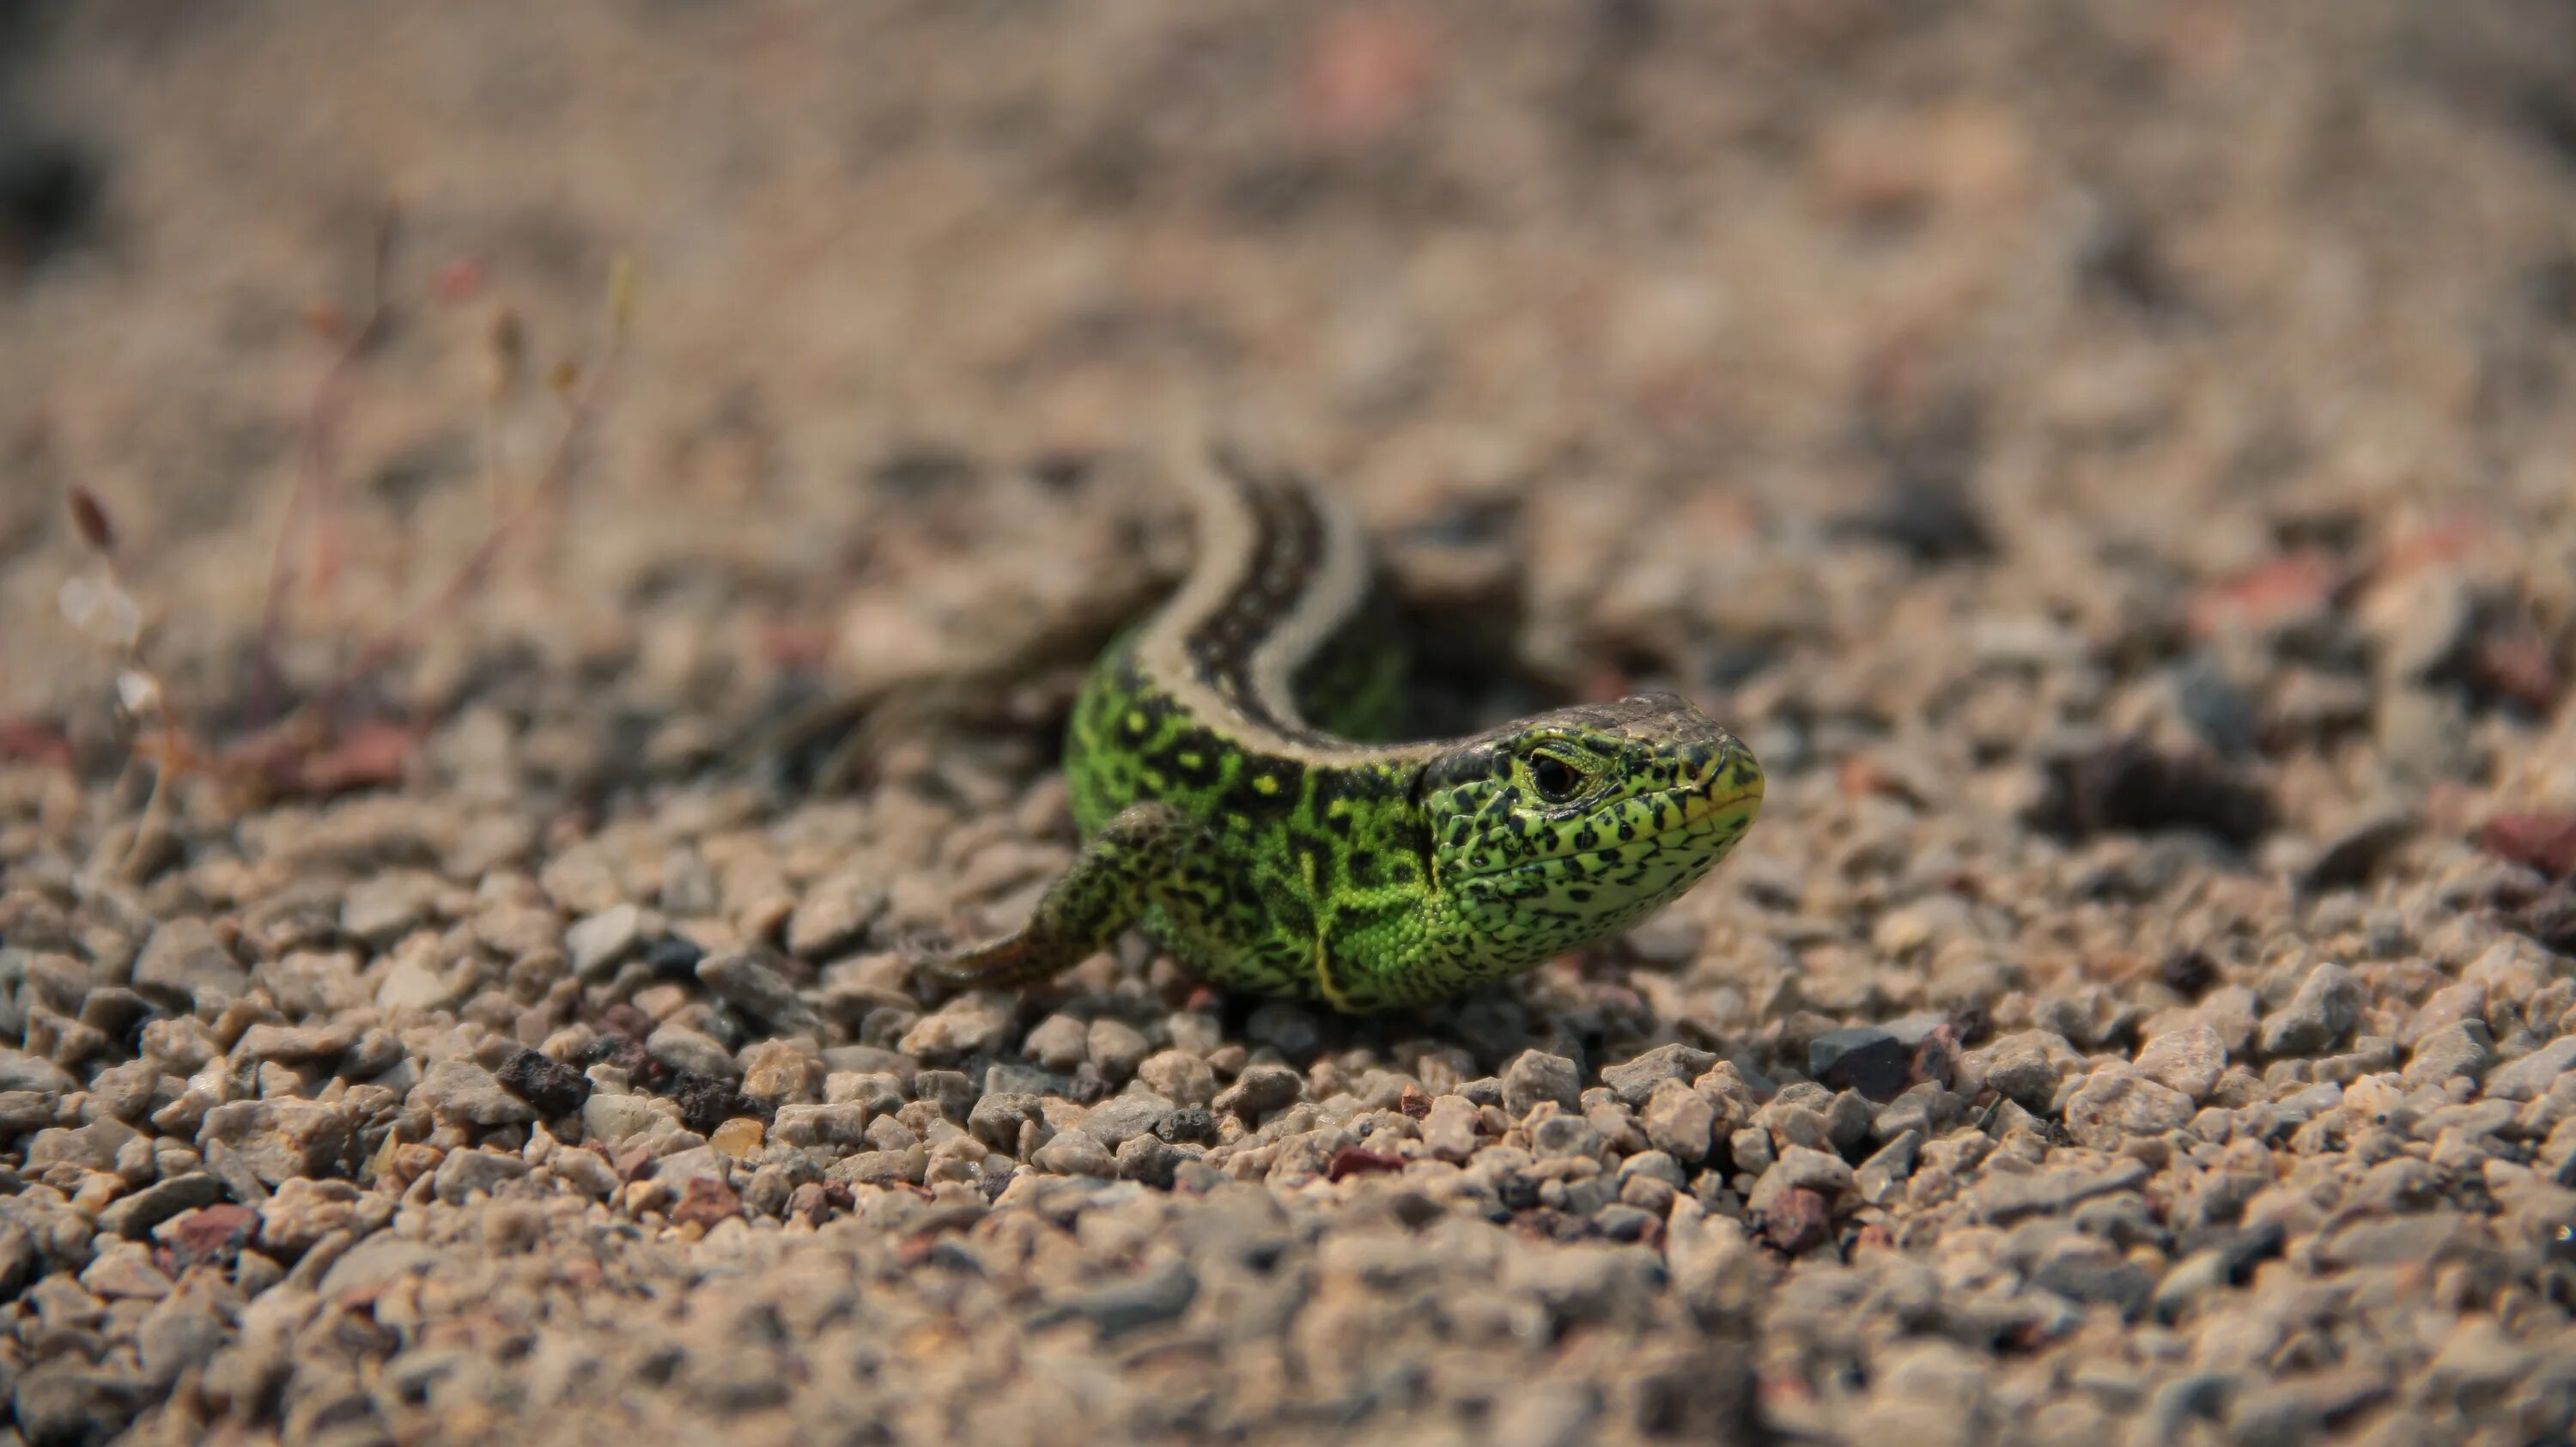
[1569, 827]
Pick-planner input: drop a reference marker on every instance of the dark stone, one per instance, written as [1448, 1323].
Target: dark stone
[1003, 1079]
[2550, 920]
[1191, 1124]
[554, 1088]
[1149, 1160]
[1863, 1058]
[1621, 1222]
[916, 472]
[49, 194]
[66, 1401]
[2104, 1279]
[706, 1102]
[2126, 785]
[2350, 860]
[1088, 1086]
[2240, 1247]
[1929, 521]
[673, 958]
[2217, 710]
[2188, 973]
[1113, 1311]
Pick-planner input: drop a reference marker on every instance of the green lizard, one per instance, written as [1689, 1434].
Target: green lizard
[1229, 811]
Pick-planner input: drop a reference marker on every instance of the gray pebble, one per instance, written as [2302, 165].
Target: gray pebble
[1259, 1090]
[2026, 1067]
[1535, 1075]
[1149, 1160]
[2320, 1016]
[1179, 1076]
[1679, 1121]
[1117, 1048]
[1058, 1044]
[2531, 1077]
[833, 915]
[1285, 1026]
[1564, 1135]
[758, 991]
[2002, 1198]
[600, 942]
[967, 1025]
[1073, 1153]
[695, 1051]
[1122, 1118]
[184, 960]
[1159, 1295]
[1635, 1080]
[1008, 1079]
[2188, 1058]
[950, 1090]
[383, 909]
[1878, 1178]
[2115, 1104]
[1799, 1168]
[134, 1216]
[461, 1090]
[2462, 1050]
[465, 1172]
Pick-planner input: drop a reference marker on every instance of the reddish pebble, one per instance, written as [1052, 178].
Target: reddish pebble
[209, 1232]
[1936, 1059]
[1353, 1161]
[705, 1201]
[2266, 596]
[2544, 841]
[28, 742]
[1800, 1224]
[2518, 667]
[1364, 74]
[326, 321]
[459, 280]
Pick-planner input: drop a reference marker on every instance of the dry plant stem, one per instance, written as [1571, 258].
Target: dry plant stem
[313, 494]
[173, 753]
[581, 407]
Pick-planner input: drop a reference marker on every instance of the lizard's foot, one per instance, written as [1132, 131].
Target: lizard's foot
[994, 964]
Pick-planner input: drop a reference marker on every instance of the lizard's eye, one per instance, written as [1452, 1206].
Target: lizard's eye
[1556, 779]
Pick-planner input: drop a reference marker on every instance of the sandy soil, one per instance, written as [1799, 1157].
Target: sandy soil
[603, 505]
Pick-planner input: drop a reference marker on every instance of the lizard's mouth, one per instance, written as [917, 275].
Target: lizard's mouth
[1730, 782]
[1712, 804]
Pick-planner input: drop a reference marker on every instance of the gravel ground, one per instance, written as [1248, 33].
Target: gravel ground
[2111, 462]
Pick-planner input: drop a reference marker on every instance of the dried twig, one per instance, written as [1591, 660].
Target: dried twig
[314, 482]
[582, 395]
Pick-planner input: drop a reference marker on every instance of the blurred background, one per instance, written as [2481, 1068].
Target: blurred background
[1741, 331]
[2112, 461]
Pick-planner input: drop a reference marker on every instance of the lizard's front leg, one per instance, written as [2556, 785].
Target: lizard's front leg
[1105, 889]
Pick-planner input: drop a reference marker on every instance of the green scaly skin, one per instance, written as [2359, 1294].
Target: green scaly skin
[1283, 857]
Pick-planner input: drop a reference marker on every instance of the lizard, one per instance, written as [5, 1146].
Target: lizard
[1228, 765]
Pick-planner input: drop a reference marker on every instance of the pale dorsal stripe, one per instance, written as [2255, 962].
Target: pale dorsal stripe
[1243, 523]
